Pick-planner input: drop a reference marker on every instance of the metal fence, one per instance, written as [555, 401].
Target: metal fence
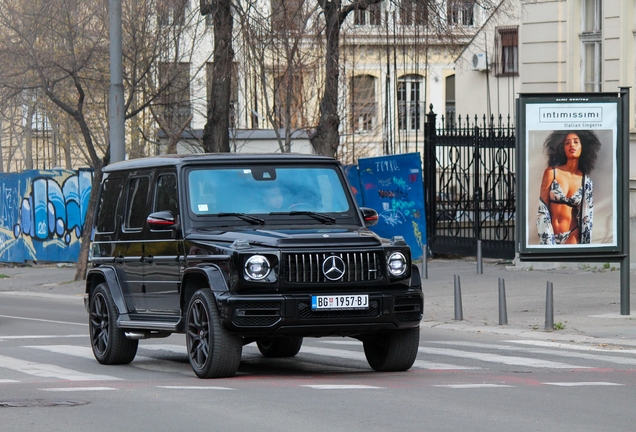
[470, 175]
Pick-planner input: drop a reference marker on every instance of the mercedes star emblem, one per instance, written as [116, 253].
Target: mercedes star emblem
[333, 268]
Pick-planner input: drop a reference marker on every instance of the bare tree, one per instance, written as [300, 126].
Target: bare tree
[216, 135]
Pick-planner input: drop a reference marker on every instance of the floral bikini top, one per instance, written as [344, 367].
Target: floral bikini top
[558, 197]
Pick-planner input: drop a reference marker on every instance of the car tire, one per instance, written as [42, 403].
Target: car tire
[280, 347]
[110, 345]
[213, 351]
[392, 351]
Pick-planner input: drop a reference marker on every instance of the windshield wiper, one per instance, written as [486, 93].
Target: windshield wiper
[251, 219]
[318, 216]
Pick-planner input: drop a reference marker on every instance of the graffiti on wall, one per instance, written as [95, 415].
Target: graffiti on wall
[43, 215]
[392, 185]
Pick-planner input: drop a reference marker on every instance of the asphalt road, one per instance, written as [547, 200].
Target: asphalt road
[49, 381]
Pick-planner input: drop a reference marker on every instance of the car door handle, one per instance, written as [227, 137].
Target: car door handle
[119, 259]
[149, 259]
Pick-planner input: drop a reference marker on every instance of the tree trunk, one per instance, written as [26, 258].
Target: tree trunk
[216, 133]
[82, 261]
[326, 138]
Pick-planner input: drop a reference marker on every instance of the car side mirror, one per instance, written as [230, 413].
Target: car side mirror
[162, 220]
[370, 216]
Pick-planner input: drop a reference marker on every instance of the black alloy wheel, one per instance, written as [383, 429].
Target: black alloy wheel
[392, 351]
[110, 345]
[280, 347]
[213, 351]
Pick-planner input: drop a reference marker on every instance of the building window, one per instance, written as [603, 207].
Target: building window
[288, 100]
[176, 110]
[287, 15]
[449, 119]
[234, 99]
[363, 103]
[591, 45]
[507, 51]
[461, 12]
[172, 12]
[414, 12]
[371, 15]
[410, 102]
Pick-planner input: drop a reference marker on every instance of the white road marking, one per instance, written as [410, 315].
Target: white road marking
[472, 386]
[352, 355]
[77, 389]
[496, 358]
[44, 320]
[572, 346]
[559, 353]
[340, 387]
[177, 349]
[195, 388]
[580, 384]
[43, 295]
[7, 381]
[141, 362]
[50, 371]
[42, 337]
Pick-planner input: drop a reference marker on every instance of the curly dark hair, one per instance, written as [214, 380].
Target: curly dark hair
[555, 151]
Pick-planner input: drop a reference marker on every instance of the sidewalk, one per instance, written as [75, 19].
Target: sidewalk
[586, 301]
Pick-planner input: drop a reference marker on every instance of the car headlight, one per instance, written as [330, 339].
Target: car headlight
[396, 264]
[257, 267]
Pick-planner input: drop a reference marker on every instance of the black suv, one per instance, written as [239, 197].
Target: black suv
[232, 249]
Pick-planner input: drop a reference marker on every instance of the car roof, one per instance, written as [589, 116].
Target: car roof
[215, 158]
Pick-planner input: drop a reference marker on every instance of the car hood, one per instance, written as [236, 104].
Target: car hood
[337, 236]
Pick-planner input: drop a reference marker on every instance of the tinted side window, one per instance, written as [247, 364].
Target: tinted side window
[166, 194]
[108, 205]
[136, 203]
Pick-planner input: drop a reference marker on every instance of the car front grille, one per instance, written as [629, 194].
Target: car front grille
[307, 267]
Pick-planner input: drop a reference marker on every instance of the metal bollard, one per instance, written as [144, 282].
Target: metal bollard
[425, 262]
[480, 261]
[503, 311]
[459, 315]
[549, 307]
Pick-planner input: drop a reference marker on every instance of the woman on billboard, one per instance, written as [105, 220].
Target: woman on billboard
[565, 199]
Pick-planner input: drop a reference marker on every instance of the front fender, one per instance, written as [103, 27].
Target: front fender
[212, 274]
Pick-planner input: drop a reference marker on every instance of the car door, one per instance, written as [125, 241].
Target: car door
[130, 248]
[163, 258]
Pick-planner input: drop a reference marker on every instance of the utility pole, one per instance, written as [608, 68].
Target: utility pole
[116, 95]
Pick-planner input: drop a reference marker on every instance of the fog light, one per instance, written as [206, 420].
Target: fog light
[257, 267]
[396, 264]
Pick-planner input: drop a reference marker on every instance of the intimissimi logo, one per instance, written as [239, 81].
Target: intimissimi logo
[561, 114]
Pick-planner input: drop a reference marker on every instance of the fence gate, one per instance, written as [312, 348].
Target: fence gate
[470, 175]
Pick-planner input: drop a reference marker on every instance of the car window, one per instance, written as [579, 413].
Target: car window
[136, 203]
[266, 190]
[107, 207]
[166, 194]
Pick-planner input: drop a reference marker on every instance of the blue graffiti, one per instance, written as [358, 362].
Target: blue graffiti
[52, 211]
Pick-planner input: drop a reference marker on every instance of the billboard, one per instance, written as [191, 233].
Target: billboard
[569, 188]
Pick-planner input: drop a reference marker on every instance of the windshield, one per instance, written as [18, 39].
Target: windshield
[264, 190]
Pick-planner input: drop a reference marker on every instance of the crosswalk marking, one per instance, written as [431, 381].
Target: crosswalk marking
[195, 388]
[572, 346]
[44, 320]
[352, 355]
[340, 387]
[42, 337]
[496, 358]
[472, 386]
[141, 362]
[77, 389]
[559, 353]
[580, 384]
[50, 371]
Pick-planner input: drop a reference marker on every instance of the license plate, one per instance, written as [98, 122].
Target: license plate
[340, 302]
